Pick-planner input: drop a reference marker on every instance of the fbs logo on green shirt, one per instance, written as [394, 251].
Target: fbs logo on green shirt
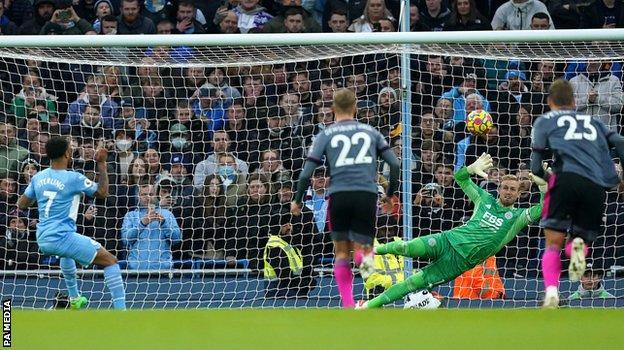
[491, 220]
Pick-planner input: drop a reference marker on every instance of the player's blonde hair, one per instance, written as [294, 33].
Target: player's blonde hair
[561, 93]
[344, 101]
[509, 177]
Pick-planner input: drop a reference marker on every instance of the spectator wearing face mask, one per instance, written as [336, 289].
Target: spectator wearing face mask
[220, 144]
[179, 143]
[233, 180]
[122, 157]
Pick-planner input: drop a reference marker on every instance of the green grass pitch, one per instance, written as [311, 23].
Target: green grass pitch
[298, 329]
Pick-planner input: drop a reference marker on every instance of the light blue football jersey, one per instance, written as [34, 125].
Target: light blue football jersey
[58, 194]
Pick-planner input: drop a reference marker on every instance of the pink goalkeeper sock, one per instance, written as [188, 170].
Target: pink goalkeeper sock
[568, 249]
[344, 279]
[551, 267]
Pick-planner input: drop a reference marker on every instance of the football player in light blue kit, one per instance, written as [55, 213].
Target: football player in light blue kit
[58, 193]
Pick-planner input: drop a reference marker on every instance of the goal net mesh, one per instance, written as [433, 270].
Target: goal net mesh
[215, 138]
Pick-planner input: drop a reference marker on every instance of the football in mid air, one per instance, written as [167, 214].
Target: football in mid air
[479, 122]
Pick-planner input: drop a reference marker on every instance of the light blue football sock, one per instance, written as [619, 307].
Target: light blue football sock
[68, 268]
[112, 278]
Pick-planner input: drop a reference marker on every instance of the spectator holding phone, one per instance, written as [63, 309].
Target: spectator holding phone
[65, 21]
[148, 232]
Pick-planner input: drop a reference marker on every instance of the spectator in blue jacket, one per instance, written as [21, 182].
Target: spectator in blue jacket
[91, 95]
[209, 108]
[458, 96]
[148, 233]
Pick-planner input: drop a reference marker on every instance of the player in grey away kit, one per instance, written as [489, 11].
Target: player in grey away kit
[350, 149]
[582, 172]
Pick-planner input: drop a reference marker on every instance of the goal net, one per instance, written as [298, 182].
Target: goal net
[214, 137]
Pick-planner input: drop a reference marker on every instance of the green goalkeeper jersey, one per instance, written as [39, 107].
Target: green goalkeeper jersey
[491, 225]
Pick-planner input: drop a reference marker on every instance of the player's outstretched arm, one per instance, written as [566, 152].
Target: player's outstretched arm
[100, 157]
[479, 167]
[536, 165]
[395, 170]
[302, 186]
[535, 211]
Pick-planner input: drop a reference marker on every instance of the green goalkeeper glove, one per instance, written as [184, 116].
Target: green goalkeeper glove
[481, 165]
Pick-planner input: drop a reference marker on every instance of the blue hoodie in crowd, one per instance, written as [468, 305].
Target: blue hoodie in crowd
[149, 247]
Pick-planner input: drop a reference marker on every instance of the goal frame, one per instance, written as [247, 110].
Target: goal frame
[405, 43]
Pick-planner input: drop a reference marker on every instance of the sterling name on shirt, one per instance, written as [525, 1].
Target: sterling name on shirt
[49, 181]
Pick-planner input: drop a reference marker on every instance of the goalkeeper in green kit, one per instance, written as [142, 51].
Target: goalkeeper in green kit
[493, 224]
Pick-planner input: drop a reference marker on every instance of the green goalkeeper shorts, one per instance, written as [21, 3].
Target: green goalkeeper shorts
[446, 263]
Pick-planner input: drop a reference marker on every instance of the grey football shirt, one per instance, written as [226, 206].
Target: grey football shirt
[350, 149]
[580, 144]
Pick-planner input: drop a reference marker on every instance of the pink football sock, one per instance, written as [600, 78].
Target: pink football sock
[358, 256]
[344, 279]
[551, 267]
[568, 249]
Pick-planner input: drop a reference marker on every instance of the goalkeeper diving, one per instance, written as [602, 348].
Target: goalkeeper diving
[493, 224]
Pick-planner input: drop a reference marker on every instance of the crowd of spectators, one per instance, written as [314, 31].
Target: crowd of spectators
[207, 158]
